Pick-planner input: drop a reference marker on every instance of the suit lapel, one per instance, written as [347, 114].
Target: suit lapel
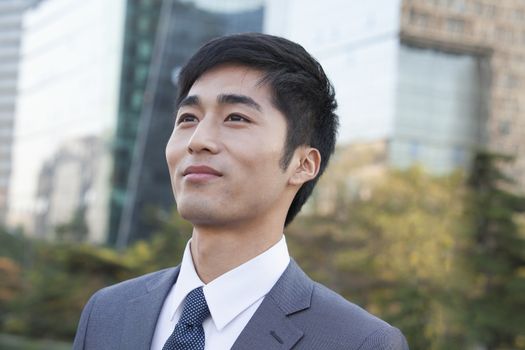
[142, 312]
[270, 327]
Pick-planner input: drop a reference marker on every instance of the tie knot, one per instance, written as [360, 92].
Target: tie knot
[195, 308]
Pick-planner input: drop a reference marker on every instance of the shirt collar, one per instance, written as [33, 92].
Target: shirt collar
[236, 290]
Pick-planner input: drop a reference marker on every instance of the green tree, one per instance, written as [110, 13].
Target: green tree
[165, 248]
[75, 230]
[495, 254]
[394, 251]
[56, 287]
[12, 244]
[42, 293]
[415, 220]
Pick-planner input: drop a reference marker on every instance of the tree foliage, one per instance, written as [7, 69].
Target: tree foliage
[57, 280]
[495, 257]
[442, 258]
[393, 252]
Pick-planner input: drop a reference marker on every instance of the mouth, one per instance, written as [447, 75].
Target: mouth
[199, 173]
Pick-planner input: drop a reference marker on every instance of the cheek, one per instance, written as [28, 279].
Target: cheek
[264, 167]
[173, 153]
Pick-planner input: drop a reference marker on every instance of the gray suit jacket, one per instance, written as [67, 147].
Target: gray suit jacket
[297, 313]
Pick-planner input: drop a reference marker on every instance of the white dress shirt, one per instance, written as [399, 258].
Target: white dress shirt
[232, 297]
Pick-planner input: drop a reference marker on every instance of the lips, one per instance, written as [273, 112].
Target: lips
[201, 169]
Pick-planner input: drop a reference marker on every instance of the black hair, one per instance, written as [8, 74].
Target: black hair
[301, 91]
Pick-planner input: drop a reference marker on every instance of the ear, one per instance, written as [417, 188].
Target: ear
[306, 165]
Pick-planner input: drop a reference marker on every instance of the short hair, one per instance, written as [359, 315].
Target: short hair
[300, 88]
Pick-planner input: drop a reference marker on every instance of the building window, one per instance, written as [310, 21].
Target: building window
[457, 5]
[518, 15]
[504, 127]
[146, 3]
[510, 81]
[141, 74]
[419, 18]
[144, 24]
[144, 50]
[136, 100]
[455, 25]
[504, 35]
[490, 10]
[437, 117]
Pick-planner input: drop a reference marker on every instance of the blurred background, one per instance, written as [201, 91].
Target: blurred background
[419, 217]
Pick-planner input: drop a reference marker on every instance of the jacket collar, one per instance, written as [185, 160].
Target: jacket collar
[270, 327]
[142, 312]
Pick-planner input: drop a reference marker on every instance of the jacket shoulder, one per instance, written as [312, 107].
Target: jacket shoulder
[334, 322]
[103, 317]
[133, 287]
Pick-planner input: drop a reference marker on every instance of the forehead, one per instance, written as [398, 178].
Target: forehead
[231, 79]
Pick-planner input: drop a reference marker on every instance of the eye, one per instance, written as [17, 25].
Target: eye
[187, 118]
[236, 118]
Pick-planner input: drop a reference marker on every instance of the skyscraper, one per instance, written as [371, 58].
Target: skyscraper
[86, 73]
[67, 90]
[140, 31]
[10, 35]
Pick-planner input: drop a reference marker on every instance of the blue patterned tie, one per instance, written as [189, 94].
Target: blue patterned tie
[188, 333]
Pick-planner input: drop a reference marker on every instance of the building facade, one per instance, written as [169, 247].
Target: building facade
[438, 79]
[140, 31]
[494, 31]
[431, 81]
[71, 187]
[11, 12]
[67, 90]
[93, 71]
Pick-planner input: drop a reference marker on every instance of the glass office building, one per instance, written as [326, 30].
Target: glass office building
[140, 30]
[67, 91]
[10, 34]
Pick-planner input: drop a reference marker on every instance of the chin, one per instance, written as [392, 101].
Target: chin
[198, 213]
[199, 216]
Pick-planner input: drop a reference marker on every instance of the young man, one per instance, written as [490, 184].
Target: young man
[254, 129]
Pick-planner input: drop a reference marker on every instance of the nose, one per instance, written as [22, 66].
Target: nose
[205, 137]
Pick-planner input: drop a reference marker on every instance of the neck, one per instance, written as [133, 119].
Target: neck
[216, 251]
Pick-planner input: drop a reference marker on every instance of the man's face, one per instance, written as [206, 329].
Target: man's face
[224, 152]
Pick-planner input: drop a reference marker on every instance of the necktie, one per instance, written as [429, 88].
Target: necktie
[188, 333]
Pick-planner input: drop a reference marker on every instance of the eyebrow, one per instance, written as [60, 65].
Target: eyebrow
[189, 101]
[238, 99]
[222, 99]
